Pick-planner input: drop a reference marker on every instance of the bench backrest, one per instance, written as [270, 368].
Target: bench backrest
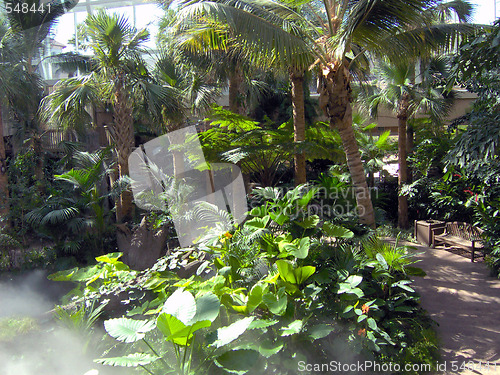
[464, 230]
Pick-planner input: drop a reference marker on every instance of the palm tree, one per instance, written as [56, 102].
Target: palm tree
[337, 37]
[399, 92]
[16, 89]
[82, 214]
[28, 30]
[195, 95]
[22, 34]
[228, 61]
[373, 149]
[119, 77]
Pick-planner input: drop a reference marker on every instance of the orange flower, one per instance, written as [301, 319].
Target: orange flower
[365, 309]
[362, 332]
[228, 235]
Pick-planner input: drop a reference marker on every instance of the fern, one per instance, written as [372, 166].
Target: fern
[210, 213]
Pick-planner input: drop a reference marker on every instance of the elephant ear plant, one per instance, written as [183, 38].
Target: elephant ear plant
[179, 323]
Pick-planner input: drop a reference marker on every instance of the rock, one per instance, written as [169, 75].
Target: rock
[141, 247]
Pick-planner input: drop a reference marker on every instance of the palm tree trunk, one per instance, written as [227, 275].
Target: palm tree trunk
[299, 123]
[4, 181]
[403, 166]
[335, 100]
[235, 80]
[124, 133]
[409, 149]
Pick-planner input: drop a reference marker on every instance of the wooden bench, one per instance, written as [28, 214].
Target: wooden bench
[458, 234]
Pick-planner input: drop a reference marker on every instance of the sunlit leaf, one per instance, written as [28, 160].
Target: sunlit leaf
[131, 360]
[128, 330]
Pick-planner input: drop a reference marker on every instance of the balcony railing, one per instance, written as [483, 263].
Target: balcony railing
[52, 139]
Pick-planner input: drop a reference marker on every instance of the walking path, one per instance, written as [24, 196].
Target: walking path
[465, 301]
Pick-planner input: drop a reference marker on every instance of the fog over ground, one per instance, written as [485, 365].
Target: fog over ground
[44, 347]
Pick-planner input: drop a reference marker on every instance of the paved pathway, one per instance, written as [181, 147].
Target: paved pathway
[465, 301]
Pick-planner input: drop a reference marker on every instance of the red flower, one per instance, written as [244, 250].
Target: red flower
[456, 175]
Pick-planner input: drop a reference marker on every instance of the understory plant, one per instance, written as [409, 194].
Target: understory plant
[75, 216]
[281, 289]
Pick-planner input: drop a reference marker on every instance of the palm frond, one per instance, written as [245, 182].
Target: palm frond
[279, 39]
[59, 216]
[424, 41]
[70, 62]
[65, 107]
[206, 212]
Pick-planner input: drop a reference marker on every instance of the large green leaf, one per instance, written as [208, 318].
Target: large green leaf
[111, 258]
[176, 331]
[383, 262]
[319, 331]
[310, 222]
[131, 360]
[169, 325]
[337, 231]
[181, 304]
[276, 302]
[65, 275]
[304, 201]
[128, 330]
[239, 303]
[354, 280]
[207, 307]
[255, 295]
[76, 274]
[262, 324]
[349, 286]
[269, 348]
[279, 218]
[298, 248]
[258, 222]
[293, 328]
[294, 276]
[238, 361]
[225, 335]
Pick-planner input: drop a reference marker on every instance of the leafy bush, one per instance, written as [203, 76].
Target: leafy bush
[24, 195]
[74, 216]
[441, 199]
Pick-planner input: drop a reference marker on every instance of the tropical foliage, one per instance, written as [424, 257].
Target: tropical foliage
[270, 277]
[305, 272]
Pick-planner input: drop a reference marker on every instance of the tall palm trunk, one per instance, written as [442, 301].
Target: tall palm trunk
[409, 150]
[335, 100]
[4, 181]
[299, 123]
[124, 133]
[403, 166]
[235, 79]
